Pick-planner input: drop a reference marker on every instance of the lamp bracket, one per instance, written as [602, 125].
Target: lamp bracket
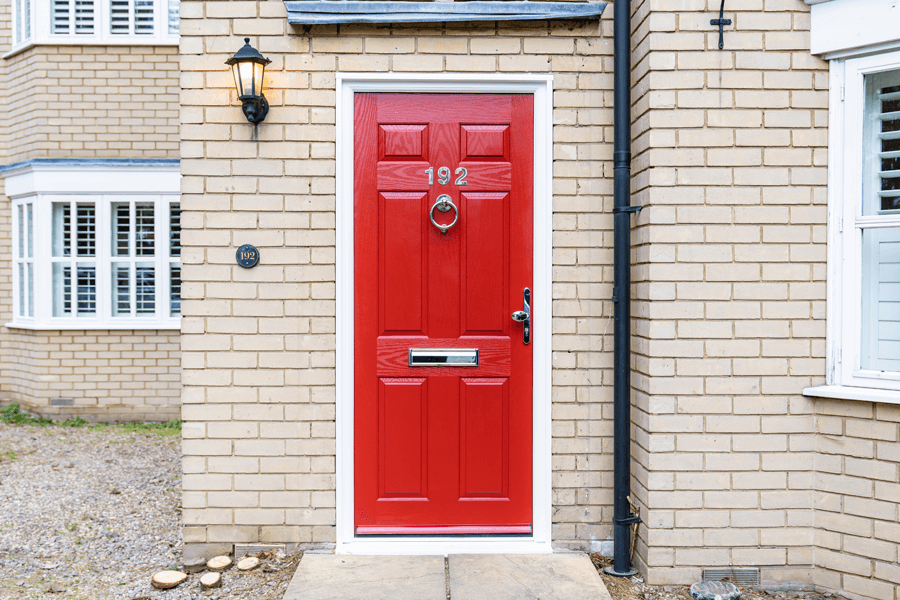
[255, 109]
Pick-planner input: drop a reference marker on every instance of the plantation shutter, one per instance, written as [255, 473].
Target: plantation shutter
[72, 16]
[131, 16]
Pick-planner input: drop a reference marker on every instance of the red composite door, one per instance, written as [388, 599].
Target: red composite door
[443, 374]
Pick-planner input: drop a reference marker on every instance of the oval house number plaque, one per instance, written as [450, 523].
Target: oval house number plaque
[247, 256]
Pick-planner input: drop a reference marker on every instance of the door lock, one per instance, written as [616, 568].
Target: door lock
[524, 316]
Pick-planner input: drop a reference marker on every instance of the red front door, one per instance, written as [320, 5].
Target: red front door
[442, 449]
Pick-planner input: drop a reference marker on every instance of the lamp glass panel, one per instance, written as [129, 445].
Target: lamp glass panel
[235, 70]
[258, 70]
[247, 82]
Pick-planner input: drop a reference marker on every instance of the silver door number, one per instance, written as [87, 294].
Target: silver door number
[443, 174]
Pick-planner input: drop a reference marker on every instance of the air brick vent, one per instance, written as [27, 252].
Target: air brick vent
[747, 577]
[254, 549]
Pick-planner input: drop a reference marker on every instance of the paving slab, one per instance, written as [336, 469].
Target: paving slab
[525, 577]
[344, 577]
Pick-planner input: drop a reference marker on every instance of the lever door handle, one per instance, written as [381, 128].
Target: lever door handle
[524, 316]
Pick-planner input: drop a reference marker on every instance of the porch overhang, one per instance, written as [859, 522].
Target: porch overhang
[327, 12]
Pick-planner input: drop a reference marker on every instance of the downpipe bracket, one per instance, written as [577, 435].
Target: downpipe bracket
[627, 209]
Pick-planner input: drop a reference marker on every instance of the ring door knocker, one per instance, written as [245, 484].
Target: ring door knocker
[443, 204]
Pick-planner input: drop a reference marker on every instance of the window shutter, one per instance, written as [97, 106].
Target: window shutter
[72, 16]
[131, 16]
[888, 147]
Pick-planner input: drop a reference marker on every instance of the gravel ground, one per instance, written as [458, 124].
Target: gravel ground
[92, 514]
[634, 588]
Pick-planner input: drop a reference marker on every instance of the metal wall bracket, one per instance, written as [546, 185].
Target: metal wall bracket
[721, 22]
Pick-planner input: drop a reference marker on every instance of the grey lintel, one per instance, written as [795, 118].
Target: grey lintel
[324, 12]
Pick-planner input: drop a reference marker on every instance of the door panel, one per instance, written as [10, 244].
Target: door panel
[403, 419]
[484, 413]
[442, 449]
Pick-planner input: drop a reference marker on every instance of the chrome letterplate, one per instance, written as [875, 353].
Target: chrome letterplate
[443, 357]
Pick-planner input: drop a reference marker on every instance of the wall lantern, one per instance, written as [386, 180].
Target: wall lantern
[249, 67]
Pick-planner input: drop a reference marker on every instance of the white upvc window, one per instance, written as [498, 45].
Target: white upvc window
[108, 22]
[863, 328]
[108, 259]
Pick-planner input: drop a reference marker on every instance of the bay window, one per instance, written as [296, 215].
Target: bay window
[96, 260]
[110, 22]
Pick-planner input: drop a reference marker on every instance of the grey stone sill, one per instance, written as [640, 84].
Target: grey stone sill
[131, 326]
[844, 392]
[69, 42]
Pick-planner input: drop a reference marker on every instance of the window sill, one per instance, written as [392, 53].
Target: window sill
[129, 41]
[844, 392]
[98, 326]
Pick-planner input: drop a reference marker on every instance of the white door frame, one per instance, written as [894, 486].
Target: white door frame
[541, 87]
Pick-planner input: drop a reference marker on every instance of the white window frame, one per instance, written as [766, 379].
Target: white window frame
[42, 33]
[844, 377]
[41, 185]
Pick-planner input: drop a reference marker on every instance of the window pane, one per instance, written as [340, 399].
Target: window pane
[175, 289]
[120, 13]
[87, 234]
[18, 26]
[143, 16]
[30, 230]
[21, 290]
[174, 229]
[84, 298]
[144, 289]
[26, 18]
[84, 16]
[881, 299]
[30, 271]
[87, 289]
[62, 14]
[121, 228]
[62, 290]
[881, 144]
[121, 289]
[62, 229]
[173, 17]
[20, 218]
[143, 224]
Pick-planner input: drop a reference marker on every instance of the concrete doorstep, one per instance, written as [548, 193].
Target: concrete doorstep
[569, 576]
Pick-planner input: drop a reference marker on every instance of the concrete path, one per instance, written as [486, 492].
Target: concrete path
[567, 576]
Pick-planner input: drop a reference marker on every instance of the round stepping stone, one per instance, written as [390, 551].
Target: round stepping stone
[715, 590]
[211, 580]
[218, 563]
[165, 580]
[248, 564]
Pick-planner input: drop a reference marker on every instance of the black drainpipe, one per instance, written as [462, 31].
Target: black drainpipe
[622, 516]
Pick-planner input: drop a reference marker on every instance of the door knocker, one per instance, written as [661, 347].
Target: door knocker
[443, 204]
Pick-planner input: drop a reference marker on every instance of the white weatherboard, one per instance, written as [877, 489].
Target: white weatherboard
[541, 87]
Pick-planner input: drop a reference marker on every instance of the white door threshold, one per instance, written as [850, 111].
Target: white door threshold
[425, 546]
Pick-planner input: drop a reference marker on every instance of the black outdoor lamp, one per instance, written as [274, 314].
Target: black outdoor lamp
[249, 67]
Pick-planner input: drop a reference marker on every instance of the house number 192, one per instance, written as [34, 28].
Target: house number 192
[444, 175]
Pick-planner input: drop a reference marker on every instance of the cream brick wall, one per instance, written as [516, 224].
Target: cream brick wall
[857, 494]
[730, 165]
[86, 102]
[259, 344]
[108, 376]
[91, 101]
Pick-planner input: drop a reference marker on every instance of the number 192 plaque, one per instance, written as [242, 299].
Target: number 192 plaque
[247, 256]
